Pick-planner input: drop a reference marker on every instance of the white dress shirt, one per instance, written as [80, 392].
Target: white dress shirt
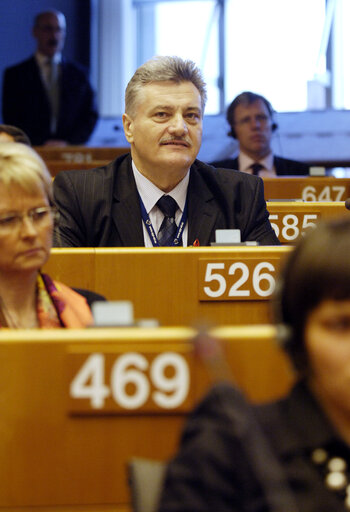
[42, 61]
[244, 163]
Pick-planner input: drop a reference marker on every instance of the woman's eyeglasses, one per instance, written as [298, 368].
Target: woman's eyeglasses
[38, 217]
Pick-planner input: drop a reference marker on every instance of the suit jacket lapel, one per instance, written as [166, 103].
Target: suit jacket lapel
[126, 213]
[202, 209]
[67, 96]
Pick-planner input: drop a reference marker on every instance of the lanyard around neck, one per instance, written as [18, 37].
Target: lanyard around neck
[150, 229]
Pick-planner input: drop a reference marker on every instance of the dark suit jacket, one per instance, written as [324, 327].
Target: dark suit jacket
[100, 207]
[283, 166]
[216, 467]
[25, 103]
[90, 296]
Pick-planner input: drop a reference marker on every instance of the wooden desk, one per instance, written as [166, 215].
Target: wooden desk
[69, 158]
[59, 453]
[307, 188]
[74, 267]
[291, 219]
[56, 166]
[221, 285]
[80, 154]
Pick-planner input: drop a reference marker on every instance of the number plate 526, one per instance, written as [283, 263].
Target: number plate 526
[251, 279]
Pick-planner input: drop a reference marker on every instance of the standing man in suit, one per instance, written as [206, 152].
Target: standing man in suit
[160, 194]
[250, 117]
[46, 96]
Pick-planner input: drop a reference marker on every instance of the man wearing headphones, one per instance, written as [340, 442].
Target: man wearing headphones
[250, 117]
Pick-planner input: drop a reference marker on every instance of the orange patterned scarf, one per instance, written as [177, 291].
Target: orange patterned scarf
[60, 306]
[57, 306]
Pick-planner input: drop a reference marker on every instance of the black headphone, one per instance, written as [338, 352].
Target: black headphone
[247, 98]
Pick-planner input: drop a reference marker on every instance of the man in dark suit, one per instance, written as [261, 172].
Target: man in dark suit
[160, 194]
[250, 117]
[46, 96]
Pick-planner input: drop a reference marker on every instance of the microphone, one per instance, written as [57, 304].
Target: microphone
[347, 203]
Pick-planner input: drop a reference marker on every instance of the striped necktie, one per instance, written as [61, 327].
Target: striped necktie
[168, 228]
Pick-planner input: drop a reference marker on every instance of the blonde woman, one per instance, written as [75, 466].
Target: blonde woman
[28, 298]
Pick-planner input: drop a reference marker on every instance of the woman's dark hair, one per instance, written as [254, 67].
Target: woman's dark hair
[317, 269]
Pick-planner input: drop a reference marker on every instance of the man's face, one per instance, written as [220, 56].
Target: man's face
[253, 127]
[165, 130]
[50, 33]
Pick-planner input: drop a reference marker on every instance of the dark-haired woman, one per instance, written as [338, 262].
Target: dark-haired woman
[305, 438]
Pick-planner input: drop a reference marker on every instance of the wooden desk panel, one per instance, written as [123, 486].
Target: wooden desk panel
[69, 158]
[51, 458]
[56, 166]
[163, 283]
[73, 267]
[307, 188]
[80, 154]
[75, 508]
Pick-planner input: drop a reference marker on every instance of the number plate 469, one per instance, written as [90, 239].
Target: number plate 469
[128, 382]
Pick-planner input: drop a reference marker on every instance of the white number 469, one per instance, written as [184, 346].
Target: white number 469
[129, 369]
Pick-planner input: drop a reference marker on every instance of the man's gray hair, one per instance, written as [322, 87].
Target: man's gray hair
[161, 69]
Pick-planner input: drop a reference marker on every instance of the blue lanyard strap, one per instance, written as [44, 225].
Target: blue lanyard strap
[152, 233]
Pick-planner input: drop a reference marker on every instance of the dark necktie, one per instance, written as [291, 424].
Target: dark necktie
[256, 168]
[167, 230]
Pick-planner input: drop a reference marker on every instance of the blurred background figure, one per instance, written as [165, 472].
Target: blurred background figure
[250, 117]
[29, 298]
[46, 96]
[308, 432]
[10, 133]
